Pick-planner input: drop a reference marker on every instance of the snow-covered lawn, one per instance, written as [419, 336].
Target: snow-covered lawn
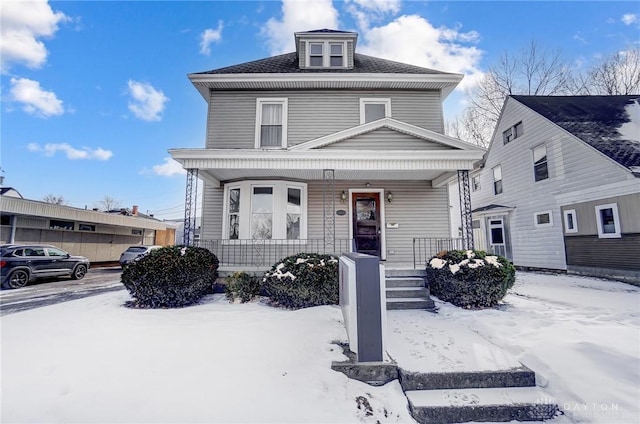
[94, 360]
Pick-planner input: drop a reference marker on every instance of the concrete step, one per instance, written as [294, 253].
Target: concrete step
[484, 404]
[409, 272]
[404, 282]
[514, 377]
[410, 303]
[417, 292]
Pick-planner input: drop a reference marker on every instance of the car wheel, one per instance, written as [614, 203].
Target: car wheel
[17, 279]
[79, 272]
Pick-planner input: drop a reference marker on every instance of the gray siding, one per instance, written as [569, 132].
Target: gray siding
[572, 166]
[592, 252]
[212, 207]
[312, 114]
[628, 211]
[386, 139]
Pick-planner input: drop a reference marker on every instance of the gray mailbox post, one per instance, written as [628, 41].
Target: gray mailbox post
[363, 304]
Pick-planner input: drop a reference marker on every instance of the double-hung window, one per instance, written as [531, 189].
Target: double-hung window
[316, 54]
[265, 210]
[271, 123]
[475, 183]
[336, 54]
[374, 109]
[540, 168]
[608, 221]
[497, 180]
[326, 54]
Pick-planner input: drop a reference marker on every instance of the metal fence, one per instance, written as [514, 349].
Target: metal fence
[260, 253]
[425, 248]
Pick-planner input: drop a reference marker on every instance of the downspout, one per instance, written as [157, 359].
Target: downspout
[12, 238]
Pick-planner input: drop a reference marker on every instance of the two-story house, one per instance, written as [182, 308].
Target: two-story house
[325, 150]
[559, 187]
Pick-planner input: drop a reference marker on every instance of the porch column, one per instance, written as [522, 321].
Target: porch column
[190, 205]
[329, 209]
[465, 209]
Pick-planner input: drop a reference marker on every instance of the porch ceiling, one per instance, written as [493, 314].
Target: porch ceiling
[223, 165]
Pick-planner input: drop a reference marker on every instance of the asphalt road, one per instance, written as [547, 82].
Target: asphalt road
[49, 292]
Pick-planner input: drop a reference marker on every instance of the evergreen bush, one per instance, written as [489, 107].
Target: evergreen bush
[243, 286]
[303, 280]
[171, 277]
[470, 278]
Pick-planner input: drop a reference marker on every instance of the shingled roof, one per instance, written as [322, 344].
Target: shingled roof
[288, 64]
[610, 124]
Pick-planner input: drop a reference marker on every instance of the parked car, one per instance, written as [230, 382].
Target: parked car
[133, 253]
[20, 264]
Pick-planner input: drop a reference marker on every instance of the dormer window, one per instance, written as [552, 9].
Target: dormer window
[326, 54]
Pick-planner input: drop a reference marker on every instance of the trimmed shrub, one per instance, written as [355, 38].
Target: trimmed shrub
[243, 286]
[171, 277]
[470, 278]
[303, 280]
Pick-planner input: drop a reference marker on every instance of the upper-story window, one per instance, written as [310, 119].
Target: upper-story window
[374, 109]
[512, 133]
[324, 54]
[497, 180]
[540, 169]
[475, 183]
[271, 123]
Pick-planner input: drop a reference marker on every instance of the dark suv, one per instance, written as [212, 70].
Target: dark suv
[20, 264]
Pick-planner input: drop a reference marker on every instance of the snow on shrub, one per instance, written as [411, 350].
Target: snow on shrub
[171, 277]
[470, 278]
[303, 280]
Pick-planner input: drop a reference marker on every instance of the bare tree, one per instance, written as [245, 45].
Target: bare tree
[534, 70]
[56, 200]
[108, 203]
[616, 74]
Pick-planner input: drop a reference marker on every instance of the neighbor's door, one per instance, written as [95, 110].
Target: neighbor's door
[366, 222]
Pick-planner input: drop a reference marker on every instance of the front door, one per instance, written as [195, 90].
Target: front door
[366, 222]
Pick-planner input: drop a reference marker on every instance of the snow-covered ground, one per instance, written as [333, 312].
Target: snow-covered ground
[94, 360]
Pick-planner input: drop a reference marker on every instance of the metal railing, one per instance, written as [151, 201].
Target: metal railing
[261, 253]
[425, 248]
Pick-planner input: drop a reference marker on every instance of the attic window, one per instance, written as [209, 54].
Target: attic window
[326, 54]
[374, 109]
[336, 51]
[512, 133]
[315, 54]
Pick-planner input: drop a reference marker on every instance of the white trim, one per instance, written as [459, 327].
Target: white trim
[377, 101]
[383, 236]
[566, 214]
[326, 53]
[285, 111]
[620, 188]
[548, 224]
[278, 230]
[616, 221]
[392, 124]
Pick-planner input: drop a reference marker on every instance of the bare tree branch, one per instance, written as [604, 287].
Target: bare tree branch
[56, 200]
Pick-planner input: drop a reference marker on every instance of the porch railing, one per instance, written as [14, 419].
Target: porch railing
[425, 248]
[261, 253]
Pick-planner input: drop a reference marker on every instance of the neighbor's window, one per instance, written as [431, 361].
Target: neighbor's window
[608, 221]
[374, 109]
[136, 232]
[475, 183]
[271, 123]
[570, 221]
[234, 213]
[543, 219]
[497, 180]
[540, 169]
[512, 133]
[60, 225]
[265, 210]
[86, 227]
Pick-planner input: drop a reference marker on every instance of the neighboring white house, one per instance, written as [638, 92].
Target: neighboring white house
[559, 187]
[326, 150]
[100, 236]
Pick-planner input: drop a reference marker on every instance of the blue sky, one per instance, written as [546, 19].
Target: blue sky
[94, 93]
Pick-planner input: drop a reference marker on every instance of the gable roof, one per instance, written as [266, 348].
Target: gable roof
[609, 124]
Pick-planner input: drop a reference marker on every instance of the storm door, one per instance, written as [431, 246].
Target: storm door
[366, 223]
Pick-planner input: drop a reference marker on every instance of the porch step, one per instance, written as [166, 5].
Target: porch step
[514, 377]
[413, 292]
[407, 272]
[404, 282]
[397, 303]
[481, 404]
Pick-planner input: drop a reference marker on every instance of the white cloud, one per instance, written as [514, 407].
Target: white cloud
[297, 16]
[629, 18]
[71, 152]
[146, 102]
[22, 25]
[412, 39]
[169, 168]
[366, 11]
[209, 36]
[35, 100]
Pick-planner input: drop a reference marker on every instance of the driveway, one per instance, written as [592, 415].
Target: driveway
[50, 291]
